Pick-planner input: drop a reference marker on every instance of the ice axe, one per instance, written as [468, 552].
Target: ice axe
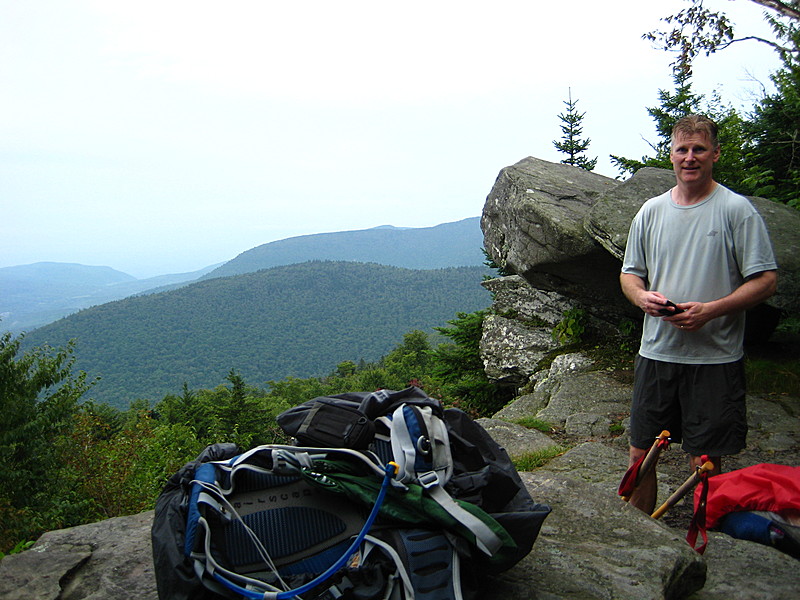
[695, 478]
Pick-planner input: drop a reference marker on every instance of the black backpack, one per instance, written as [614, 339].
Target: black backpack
[326, 518]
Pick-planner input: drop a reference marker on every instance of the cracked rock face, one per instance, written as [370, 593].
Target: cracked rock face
[511, 350]
[513, 296]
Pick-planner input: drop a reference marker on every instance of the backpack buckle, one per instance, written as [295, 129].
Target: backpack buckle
[428, 480]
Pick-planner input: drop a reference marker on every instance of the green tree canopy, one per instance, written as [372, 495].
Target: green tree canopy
[730, 170]
[411, 359]
[39, 395]
[761, 153]
[773, 131]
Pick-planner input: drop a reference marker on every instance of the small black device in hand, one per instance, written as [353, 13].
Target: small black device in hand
[665, 311]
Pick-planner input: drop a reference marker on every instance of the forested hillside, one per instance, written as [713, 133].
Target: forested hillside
[38, 294]
[298, 320]
[65, 460]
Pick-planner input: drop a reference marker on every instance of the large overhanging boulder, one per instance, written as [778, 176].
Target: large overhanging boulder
[564, 229]
[533, 225]
[609, 219]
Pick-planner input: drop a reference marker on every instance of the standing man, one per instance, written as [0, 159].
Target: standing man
[705, 249]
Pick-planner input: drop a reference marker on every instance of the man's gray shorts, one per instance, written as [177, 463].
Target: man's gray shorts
[703, 405]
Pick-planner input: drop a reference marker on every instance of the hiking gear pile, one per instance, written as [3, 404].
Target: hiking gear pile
[385, 496]
[760, 503]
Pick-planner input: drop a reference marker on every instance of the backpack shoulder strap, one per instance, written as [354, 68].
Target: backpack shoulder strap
[421, 448]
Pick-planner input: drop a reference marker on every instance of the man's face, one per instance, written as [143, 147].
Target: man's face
[693, 158]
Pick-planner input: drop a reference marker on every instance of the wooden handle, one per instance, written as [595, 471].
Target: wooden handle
[652, 456]
[649, 460]
[692, 481]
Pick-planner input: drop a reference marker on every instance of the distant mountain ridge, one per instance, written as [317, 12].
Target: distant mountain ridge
[457, 244]
[295, 320]
[34, 295]
[40, 293]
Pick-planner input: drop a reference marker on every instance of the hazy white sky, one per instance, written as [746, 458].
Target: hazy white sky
[164, 136]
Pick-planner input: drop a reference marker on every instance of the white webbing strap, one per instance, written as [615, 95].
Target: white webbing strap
[459, 593]
[206, 563]
[486, 539]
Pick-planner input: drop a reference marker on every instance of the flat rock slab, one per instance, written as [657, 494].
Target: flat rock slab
[516, 439]
[594, 546]
[110, 559]
[741, 570]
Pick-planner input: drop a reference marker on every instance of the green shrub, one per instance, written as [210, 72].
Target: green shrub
[789, 325]
[572, 327]
[616, 429]
[20, 547]
[773, 376]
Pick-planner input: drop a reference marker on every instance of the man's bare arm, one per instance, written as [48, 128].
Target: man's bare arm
[637, 294]
[756, 289]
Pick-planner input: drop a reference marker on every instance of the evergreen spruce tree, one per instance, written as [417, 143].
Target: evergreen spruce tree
[571, 144]
[773, 160]
[773, 132]
[673, 106]
[680, 102]
[459, 367]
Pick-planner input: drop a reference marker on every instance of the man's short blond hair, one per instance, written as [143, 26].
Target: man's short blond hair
[694, 124]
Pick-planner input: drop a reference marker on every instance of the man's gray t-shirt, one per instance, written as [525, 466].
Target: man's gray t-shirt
[701, 252]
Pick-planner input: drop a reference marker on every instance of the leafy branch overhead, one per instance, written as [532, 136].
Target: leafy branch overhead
[697, 30]
[761, 150]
